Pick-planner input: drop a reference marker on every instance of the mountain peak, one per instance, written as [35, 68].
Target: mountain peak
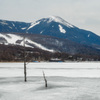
[50, 19]
[55, 18]
[59, 20]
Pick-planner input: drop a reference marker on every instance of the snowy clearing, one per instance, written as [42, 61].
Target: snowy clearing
[66, 81]
[12, 39]
[61, 29]
[33, 24]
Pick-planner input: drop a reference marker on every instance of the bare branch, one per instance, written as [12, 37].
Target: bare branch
[45, 79]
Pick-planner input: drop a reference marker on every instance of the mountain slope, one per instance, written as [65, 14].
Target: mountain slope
[53, 26]
[13, 26]
[13, 39]
[47, 43]
[56, 26]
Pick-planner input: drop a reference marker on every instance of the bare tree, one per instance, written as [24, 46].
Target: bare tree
[45, 80]
[25, 73]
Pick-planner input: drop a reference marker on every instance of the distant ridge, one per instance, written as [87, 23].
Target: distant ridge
[53, 26]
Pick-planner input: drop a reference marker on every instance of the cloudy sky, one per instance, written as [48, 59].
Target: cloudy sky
[84, 14]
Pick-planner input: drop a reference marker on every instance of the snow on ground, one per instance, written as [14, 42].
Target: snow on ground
[33, 24]
[66, 81]
[39, 46]
[4, 23]
[23, 28]
[12, 39]
[61, 29]
[59, 20]
[88, 35]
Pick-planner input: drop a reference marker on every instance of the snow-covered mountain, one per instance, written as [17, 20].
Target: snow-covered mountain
[13, 39]
[52, 19]
[47, 43]
[13, 26]
[58, 27]
[53, 26]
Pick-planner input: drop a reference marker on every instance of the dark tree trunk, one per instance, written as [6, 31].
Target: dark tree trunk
[45, 80]
[25, 76]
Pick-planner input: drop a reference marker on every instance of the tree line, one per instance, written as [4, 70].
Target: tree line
[11, 53]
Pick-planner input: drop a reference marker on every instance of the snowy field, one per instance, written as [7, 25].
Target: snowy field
[66, 81]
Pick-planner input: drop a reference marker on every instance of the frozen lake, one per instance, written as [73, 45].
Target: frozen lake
[66, 81]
